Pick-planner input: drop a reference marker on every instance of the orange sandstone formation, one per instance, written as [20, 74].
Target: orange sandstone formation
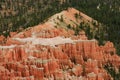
[76, 59]
[45, 52]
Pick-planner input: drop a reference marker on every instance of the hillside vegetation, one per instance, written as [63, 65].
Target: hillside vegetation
[16, 15]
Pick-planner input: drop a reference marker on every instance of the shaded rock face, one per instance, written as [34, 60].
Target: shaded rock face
[49, 53]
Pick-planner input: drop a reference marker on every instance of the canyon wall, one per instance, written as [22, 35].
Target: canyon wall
[56, 58]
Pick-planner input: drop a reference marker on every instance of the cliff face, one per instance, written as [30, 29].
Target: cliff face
[45, 52]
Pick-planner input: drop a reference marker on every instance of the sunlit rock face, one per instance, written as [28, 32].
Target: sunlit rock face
[45, 52]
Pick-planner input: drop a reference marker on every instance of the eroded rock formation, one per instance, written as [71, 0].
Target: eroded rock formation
[48, 53]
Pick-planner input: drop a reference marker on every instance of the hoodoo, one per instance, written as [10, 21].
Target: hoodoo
[52, 51]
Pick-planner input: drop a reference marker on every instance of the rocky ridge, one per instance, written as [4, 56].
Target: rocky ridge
[49, 51]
